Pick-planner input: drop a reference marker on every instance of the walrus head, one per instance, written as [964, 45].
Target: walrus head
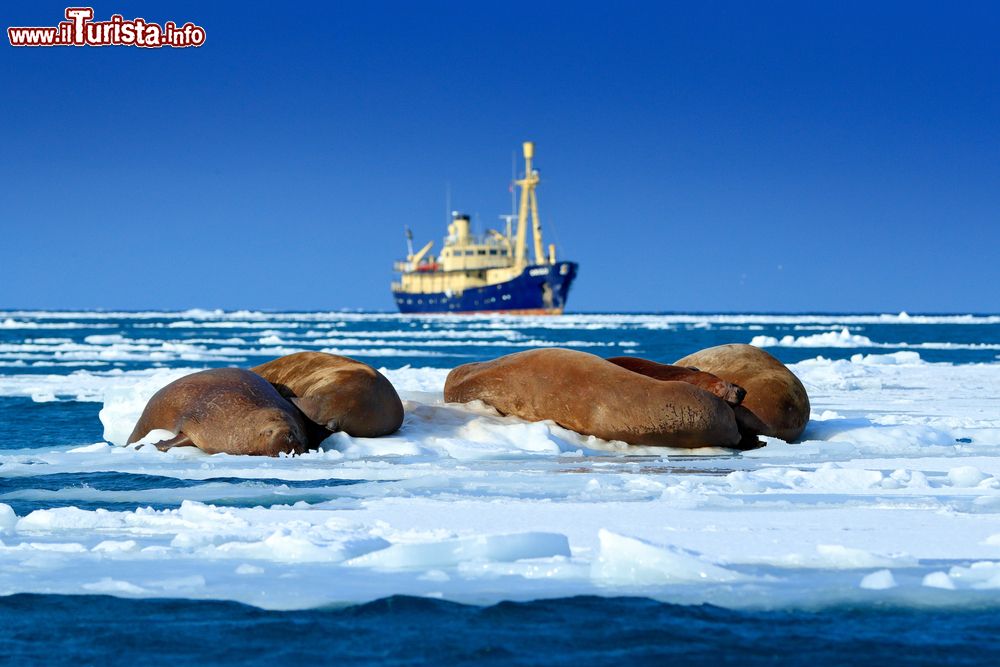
[734, 394]
[727, 391]
[281, 433]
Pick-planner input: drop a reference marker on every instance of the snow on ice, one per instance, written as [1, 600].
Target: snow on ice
[894, 494]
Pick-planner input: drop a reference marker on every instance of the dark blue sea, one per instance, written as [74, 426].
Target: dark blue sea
[100, 630]
[54, 367]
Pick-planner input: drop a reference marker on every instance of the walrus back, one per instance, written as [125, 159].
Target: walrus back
[336, 392]
[774, 394]
[589, 395]
[727, 391]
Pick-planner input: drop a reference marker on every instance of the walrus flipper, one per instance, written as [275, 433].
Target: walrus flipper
[750, 427]
[179, 440]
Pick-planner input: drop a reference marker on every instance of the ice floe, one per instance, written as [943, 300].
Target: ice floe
[893, 495]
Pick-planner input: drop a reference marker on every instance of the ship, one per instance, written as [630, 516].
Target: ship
[491, 273]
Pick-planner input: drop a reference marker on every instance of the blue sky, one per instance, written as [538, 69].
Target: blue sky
[767, 156]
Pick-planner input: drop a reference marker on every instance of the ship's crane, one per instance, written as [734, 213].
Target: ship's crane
[415, 259]
[504, 240]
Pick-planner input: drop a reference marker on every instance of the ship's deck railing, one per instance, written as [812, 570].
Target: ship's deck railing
[480, 263]
[489, 241]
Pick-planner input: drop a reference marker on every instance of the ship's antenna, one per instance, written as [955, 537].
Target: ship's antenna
[509, 219]
[447, 202]
[513, 177]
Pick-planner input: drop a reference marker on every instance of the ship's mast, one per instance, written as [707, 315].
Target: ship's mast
[528, 200]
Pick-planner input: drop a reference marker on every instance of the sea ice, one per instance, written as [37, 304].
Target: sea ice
[502, 548]
[966, 476]
[8, 520]
[895, 479]
[939, 580]
[628, 561]
[879, 580]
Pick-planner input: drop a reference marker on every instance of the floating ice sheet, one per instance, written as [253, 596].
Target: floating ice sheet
[893, 495]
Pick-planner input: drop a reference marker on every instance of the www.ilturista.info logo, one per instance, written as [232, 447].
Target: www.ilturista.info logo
[79, 29]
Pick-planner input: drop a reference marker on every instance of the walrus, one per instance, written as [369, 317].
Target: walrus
[774, 395]
[590, 395]
[730, 393]
[336, 393]
[747, 422]
[223, 410]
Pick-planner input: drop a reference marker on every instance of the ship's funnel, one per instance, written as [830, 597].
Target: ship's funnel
[459, 227]
[529, 150]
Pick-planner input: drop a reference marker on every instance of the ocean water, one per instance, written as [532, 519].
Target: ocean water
[74, 630]
[474, 537]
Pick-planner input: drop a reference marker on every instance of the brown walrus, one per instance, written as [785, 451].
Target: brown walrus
[228, 410]
[730, 393]
[747, 422]
[590, 395]
[774, 394]
[336, 393]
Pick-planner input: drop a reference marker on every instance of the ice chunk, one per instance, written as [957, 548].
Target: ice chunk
[981, 574]
[289, 546]
[839, 557]
[110, 586]
[124, 403]
[879, 580]
[8, 520]
[446, 553]
[939, 580]
[842, 338]
[893, 359]
[629, 561]
[966, 476]
[113, 546]
[180, 584]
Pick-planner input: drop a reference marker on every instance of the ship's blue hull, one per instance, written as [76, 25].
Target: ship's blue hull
[539, 289]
